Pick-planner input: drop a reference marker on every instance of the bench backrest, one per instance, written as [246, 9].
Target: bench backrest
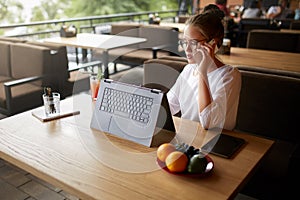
[60, 62]
[156, 35]
[274, 40]
[155, 71]
[12, 39]
[295, 25]
[5, 59]
[29, 60]
[125, 29]
[159, 35]
[269, 105]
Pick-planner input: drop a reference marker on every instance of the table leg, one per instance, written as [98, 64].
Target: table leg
[105, 63]
[84, 55]
[76, 52]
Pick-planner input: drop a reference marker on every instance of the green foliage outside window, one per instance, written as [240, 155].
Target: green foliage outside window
[11, 10]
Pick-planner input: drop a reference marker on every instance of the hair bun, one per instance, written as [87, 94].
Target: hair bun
[214, 9]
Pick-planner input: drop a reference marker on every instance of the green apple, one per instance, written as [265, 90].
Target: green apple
[197, 163]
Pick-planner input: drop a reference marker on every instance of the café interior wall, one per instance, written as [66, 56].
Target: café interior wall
[293, 3]
[229, 2]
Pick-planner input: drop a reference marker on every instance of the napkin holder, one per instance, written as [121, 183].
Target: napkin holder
[68, 31]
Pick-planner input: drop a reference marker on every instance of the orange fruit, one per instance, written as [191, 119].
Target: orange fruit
[164, 150]
[177, 161]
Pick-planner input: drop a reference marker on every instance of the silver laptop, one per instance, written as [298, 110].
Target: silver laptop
[135, 113]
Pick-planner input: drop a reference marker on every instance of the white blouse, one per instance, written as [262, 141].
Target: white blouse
[224, 84]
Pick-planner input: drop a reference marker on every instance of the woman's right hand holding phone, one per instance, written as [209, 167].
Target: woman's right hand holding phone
[203, 57]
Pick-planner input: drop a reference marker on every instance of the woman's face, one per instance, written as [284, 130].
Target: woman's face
[192, 40]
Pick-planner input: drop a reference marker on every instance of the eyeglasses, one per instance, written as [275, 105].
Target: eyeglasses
[193, 44]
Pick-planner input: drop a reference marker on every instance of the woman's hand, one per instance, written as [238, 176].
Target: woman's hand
[203, 58]
[211, 47]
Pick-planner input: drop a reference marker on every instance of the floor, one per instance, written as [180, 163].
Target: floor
[17, 184]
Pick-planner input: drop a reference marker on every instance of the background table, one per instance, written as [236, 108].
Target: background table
[290, 30]
[97, 41]
[94, 165]
[263, 58]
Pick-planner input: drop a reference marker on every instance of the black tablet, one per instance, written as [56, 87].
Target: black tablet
[223, 145]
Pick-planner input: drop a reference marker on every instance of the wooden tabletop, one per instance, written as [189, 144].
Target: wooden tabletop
[290, 30]
[94, 165]
[263, 58]
[96, 41]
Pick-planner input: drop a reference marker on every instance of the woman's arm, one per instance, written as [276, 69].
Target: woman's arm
[274, 12]
[206, 65]
[204, 94]
[215, 105]
[222, 110]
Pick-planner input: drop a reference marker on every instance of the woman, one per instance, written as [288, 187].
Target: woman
[253, 11]
[222, 4]
[297, 12]
[207, 90]
[280, 11]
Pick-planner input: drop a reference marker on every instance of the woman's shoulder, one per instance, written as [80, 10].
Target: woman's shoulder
[234, 70]
[189, 67]
[228, 71]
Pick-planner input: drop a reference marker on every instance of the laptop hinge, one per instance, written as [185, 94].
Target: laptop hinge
[156, 91]
[108, 80]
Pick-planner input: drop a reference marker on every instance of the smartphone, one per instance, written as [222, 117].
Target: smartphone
[211, 42]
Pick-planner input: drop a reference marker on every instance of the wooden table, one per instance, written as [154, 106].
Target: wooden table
[290, 30]
[263, 58]
[94, 165]
[97, 41]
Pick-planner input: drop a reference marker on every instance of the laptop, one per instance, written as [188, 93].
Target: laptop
[135, 113]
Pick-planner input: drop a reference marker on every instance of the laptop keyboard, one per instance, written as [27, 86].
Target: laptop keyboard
[127, 105]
